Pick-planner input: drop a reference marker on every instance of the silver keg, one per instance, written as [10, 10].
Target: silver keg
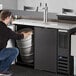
[25, 47]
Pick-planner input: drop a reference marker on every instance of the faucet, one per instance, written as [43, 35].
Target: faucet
[45, 13]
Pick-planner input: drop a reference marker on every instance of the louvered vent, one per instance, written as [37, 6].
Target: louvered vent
[63, 67]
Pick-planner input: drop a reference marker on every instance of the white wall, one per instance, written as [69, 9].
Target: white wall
[57, 5]
[32, 3]
[53, 5]
[9, 4]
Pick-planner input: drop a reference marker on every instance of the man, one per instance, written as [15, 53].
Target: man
[7, 55]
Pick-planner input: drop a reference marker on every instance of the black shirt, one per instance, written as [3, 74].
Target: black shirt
[6, 34]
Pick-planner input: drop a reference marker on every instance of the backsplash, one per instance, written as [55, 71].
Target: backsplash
[33, 14]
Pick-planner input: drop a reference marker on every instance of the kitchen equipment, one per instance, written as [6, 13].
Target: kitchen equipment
[25, 47]
[70, 17]
[65, 61]
[26, 51]
[24, 44]
[28, 59]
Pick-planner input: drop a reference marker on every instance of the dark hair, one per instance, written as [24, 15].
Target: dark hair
[4, 14]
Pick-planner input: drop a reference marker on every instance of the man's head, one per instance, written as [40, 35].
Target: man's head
[5, 16]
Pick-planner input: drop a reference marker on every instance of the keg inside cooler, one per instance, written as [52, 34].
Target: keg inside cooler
[25, 47]
[24, 39]
[28, 59]
[26, 51]
[25, 30]
[24, 44]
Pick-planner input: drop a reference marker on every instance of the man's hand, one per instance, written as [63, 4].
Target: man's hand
[26, 34]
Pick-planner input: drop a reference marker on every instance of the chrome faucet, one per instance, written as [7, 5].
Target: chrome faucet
[45, 13]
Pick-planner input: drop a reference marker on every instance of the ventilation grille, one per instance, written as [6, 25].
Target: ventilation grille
[63, 67]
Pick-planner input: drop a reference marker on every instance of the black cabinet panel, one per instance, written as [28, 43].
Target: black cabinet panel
[45, 49]
[64, 57]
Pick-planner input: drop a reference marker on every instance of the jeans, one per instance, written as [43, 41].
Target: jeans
[7, 56]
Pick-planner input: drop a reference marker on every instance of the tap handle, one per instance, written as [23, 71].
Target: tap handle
[46, 7]
[45, 4]
[37, 9]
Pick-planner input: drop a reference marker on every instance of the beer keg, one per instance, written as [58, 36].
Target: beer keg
[25, 47]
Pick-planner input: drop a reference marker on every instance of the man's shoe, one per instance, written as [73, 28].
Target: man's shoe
[1, 74]
[6, 74]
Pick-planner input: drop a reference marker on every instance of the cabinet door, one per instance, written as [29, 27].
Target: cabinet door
[45, 49]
